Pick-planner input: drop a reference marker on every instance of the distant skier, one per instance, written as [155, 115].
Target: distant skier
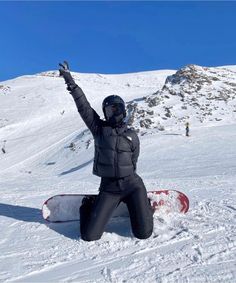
[4, 147]
[116, 155]
[187, 129]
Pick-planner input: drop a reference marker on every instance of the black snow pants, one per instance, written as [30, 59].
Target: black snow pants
[131, 190]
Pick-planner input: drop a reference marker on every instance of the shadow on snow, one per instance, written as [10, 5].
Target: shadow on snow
[70, 229]
[76, 168]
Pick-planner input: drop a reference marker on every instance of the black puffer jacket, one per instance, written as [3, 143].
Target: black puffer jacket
[116, 149]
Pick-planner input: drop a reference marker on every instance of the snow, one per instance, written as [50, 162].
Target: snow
[39, 163]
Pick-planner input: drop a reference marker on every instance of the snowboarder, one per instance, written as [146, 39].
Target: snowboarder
[116, 155]
[187, 129]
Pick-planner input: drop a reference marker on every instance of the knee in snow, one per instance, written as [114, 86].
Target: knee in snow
[90, 237]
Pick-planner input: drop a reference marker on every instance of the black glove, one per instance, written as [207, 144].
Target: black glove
[64, 68]
[65, 73]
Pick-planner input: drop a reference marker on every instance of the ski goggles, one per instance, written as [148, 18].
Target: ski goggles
[114, 110]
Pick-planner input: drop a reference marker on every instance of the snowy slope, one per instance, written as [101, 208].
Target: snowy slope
[39, 122]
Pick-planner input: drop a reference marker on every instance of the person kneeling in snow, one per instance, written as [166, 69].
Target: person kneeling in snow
[116, 155]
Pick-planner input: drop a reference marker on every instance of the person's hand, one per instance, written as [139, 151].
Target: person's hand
[64, 72]
[64, 68]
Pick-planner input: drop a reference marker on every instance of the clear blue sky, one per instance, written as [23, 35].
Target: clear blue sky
[115, 37]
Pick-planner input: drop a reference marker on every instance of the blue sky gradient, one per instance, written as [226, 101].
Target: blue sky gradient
[115, 37]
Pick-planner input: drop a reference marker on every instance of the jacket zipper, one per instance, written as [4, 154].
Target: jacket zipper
[116, 156]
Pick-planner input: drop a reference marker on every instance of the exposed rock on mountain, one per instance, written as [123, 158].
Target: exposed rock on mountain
[194, 93]
[4, 89]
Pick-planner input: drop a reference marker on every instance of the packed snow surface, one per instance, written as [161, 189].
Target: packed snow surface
[49, 151]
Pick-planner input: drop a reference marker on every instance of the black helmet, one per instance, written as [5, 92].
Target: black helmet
[113, 107]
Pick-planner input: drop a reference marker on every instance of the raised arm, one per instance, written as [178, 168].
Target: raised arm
[87, 113]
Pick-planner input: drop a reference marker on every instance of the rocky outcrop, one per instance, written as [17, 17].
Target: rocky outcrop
[4, 89]
[195, 94]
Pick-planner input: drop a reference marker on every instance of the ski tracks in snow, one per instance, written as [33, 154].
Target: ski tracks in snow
[197, 247]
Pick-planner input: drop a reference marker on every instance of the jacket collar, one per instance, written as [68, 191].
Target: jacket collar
[121, 128]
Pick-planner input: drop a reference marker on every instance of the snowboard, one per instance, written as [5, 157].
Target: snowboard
[66, 207]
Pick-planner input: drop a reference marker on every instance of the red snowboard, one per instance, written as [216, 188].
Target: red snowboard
[63, 208]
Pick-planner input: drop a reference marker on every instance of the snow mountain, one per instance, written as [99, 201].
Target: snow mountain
[46, 150]
[194, 94]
